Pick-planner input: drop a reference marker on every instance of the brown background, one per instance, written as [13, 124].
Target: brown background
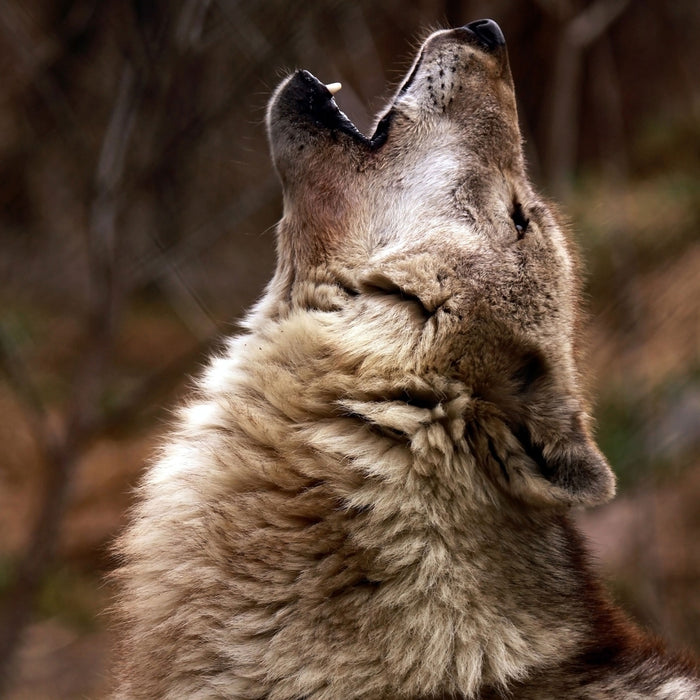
[137, 203]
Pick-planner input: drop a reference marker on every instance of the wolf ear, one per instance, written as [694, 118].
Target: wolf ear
[565, 467]
[540, 448]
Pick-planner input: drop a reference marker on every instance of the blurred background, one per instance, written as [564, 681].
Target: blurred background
[137, 206]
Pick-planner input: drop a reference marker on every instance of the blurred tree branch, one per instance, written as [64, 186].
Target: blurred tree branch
[29, 56]
[145, 118]
[85, 418]
[579, 31]
[59, 454]
[62, 451]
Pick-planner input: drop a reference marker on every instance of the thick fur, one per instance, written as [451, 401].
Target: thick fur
[368, 496]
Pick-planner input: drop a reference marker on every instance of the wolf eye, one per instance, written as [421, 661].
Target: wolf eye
[519, 219]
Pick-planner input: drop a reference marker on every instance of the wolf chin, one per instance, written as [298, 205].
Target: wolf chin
[368, 496]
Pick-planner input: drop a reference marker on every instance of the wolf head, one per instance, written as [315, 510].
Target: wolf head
[429, 241]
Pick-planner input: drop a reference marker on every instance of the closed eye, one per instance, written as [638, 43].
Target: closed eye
[520, 221]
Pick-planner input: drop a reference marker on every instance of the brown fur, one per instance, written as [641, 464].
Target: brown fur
[368, 497]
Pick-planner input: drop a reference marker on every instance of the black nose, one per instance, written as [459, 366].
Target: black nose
[488, 33]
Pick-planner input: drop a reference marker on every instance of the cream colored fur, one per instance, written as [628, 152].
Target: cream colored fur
[367, 496]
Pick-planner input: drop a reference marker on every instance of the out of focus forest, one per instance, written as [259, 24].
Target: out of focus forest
[137, 211]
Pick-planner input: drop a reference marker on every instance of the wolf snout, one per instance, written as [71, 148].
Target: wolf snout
[488, 33]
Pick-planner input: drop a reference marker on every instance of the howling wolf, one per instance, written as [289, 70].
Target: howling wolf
[369, 494]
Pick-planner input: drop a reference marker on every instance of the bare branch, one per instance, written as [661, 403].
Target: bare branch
[30, 56]
[560, 9]
[188, 305]
[194, 243]
[61, 453]
[592, 22]
[565, 92]
[17, 376]
[131, 407]
[103, 246]
[190, 26]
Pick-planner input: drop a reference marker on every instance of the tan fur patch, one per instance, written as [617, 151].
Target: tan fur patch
[367, 497]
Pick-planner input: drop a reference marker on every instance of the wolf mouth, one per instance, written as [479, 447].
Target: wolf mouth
[314, 99]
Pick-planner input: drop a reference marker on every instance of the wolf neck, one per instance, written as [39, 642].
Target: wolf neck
[497, 592]
[395, 518]
[500, 594]
[449, 577]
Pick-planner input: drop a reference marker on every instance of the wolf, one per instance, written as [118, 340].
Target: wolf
[369, 494]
